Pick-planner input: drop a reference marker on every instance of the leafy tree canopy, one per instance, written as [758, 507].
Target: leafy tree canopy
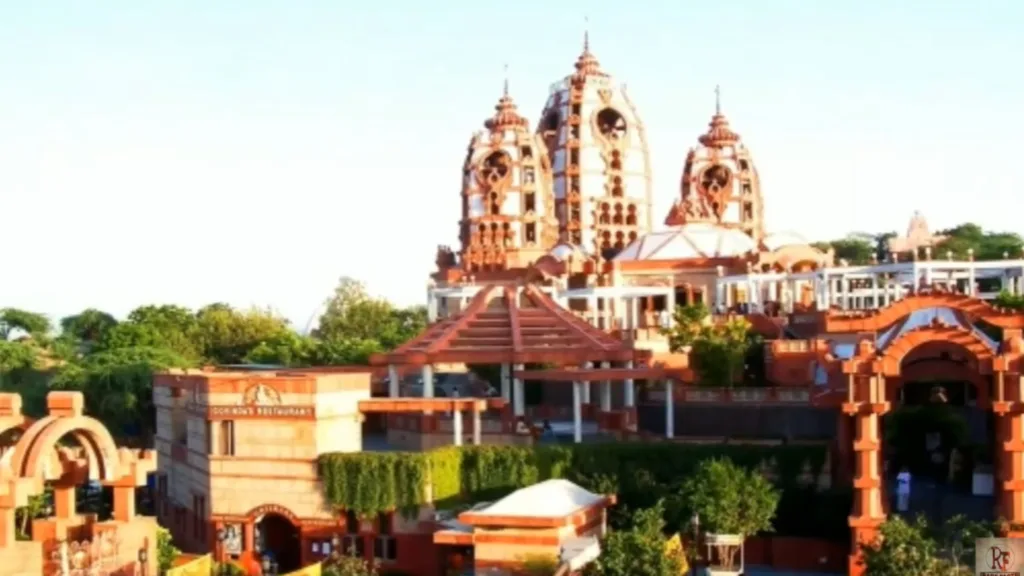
[14, 320]
[639, 551]
[729, 499]
[859, 248]
[718, 349]
[914, 547]
[113, 361]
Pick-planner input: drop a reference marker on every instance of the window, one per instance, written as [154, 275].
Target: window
[226, 438]
[384, 547]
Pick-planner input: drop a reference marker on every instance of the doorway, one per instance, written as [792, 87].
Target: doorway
[278, 537]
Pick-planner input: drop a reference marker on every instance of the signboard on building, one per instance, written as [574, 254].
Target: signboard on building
[260, 401]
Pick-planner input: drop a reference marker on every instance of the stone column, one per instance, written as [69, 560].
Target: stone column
[506, 383]
[577, 412]
[670, 411]
[586, 384]
[606, 391]
[457, 425]
[124, 504]
[428, 381]
[866, 404]
[64, 501]
[477, 426]
[518, 402]
[1009, 482]
[629, 394]
[393, 382]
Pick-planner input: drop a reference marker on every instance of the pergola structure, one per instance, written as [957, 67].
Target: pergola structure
[513, 326]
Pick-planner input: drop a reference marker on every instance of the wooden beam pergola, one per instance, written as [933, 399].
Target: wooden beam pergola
[511, 325]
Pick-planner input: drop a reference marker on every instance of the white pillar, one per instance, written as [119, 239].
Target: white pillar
[518, 402]
[577, 412]
[428, 381]
[606, 392]
[586, 384]
[506, 386]
[592, 309]
[477, 426]
[431, 306]
[393, 381]
[457, 426]
[670, 411]
[670, 303]
[629, 395]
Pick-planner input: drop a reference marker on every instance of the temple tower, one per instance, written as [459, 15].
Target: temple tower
[599, 156]
[720, 183]
[508, 211]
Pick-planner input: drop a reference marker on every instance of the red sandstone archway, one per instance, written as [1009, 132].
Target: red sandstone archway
[869, 398]
[279, 529]
[972, 310]
[39, 441]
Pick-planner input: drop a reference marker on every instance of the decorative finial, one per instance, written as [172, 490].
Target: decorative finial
[586, 33]
[505, 89]
[718, 100]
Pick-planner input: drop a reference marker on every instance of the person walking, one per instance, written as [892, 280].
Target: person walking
[903, 490]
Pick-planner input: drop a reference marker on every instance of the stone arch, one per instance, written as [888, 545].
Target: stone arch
[973, 310]
[282, 511]
[31, 452]
[891, 359]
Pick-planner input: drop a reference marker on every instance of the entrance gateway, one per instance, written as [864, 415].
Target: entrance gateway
[873, 378]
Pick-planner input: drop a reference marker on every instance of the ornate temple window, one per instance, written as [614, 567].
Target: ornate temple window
[631, 215]
[528, 176]
[617, 217]
[617, 187]
[611, 124]
[616, 160]
[526, 151]
[530, 202]
[531, 233]
[495, 168]
[603, 216]
[493, 204]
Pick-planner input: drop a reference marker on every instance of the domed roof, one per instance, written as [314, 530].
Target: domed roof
[508, 209]
[690, 241]
[599, 157]
[720, 184]
[783, 239]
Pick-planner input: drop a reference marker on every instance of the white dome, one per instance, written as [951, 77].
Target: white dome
[690, 241]
[563, 251]
[778, 240]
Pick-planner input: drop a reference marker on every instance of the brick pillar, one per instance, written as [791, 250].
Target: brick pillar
[1009, 480]
[866, 404]
[124, 503]
[64, 504]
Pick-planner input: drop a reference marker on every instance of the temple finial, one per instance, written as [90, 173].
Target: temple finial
[718, 100]
[505, 89]
[586, 33]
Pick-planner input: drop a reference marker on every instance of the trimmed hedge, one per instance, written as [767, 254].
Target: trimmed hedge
[639, 473]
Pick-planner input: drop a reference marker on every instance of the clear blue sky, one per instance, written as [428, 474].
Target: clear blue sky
[253, 151]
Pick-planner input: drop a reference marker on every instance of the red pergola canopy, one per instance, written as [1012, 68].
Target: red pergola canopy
[510, 325]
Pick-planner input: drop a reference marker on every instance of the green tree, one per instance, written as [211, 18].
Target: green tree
[718, 350]
[118, 386]
[16, 358]
[729, 500]
[228, 335]
[348, 565]
[1009, 301]
[167, 326]
[88, 326]
[166, 551]
[285, 349]
[14, 320]
[347, 351]
[854, 248]
[913, 547]
[353, 314]
[985, 245]
[639, 551]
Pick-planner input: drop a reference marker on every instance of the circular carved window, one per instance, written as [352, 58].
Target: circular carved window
[495, 168]
[611, 124]
[715, 179]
